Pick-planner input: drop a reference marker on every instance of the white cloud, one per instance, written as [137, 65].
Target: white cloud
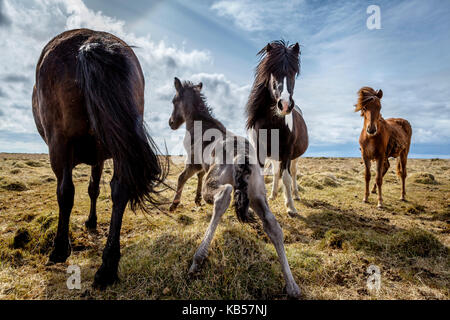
[34, 23]
[258, 15]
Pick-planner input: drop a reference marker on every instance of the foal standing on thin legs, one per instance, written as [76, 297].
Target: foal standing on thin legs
[222, 177]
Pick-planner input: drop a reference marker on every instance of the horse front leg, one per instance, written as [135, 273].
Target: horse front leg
[276, 179]
[367, 165]
[287, 187]
[94, 191]
[187, 173]
[385, 170]
[294, 178]
[107, 273]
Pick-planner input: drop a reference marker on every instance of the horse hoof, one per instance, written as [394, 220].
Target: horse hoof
[198, 202]
[104, 278]
[193, 270]
[380, 206]
[293, 292]
[58, 256]
[91, 226]
[297, 198]
[365, 201]
[173, 206]
[374, 191]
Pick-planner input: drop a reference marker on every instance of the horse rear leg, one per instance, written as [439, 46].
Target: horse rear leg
[94, 191]
[401, 171]
[198, 193]
[287, 184]
[61, 161]
[294, 178]
[273, 230]
[107, 273]
[385, 169]
[222, 201]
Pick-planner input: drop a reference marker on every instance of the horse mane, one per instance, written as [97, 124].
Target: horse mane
[366, 95]
[278, 60]
[200, 104]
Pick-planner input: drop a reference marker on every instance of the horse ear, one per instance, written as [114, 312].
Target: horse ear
[268, 47]
[200, 86]
[380, 94]
[296, 48]
[177, 84]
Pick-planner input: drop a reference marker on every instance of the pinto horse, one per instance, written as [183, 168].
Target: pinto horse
[271, 112]
[238, 174]
[381, 139]
[88, 104]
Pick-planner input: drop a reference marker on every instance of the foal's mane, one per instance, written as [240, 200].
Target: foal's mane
[200, 103]
[366, 96]
[276, 59]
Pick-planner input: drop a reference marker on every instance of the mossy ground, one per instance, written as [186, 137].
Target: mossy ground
[330, 243]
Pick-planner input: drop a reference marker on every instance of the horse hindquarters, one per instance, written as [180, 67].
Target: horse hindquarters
[113, 92]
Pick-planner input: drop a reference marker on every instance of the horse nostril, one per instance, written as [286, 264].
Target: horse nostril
[280, 105]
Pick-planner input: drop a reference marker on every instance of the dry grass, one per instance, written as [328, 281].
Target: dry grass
[329, 244]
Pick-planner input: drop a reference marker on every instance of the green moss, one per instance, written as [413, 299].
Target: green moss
[417, 243]
[34, 164]
[21, 238]
[15, 186]
[424, 178]
[184, 219]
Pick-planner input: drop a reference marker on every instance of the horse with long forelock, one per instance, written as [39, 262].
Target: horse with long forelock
[240, 175]
[271, 107]
[88, 104]
[380, 140]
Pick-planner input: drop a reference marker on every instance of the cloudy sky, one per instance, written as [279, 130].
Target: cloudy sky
[216, 41]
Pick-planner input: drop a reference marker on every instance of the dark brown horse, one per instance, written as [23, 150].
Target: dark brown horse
[381, 139]
[88, 104]
[272, 112]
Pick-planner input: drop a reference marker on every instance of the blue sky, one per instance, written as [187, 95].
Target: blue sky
[216, 42]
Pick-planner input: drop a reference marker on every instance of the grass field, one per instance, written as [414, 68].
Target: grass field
[330, 243]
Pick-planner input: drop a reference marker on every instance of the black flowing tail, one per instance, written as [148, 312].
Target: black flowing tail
[241, 201]
[110, 83]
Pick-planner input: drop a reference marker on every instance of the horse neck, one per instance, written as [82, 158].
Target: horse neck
[261, 107]
[208, 121]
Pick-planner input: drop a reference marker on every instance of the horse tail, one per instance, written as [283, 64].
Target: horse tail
[107, 76]
[241, 201]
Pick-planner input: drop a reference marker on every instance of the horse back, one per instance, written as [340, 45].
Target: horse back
[400, 136]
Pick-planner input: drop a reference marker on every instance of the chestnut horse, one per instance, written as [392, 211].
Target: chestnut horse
[381, 139]
[88, 104]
